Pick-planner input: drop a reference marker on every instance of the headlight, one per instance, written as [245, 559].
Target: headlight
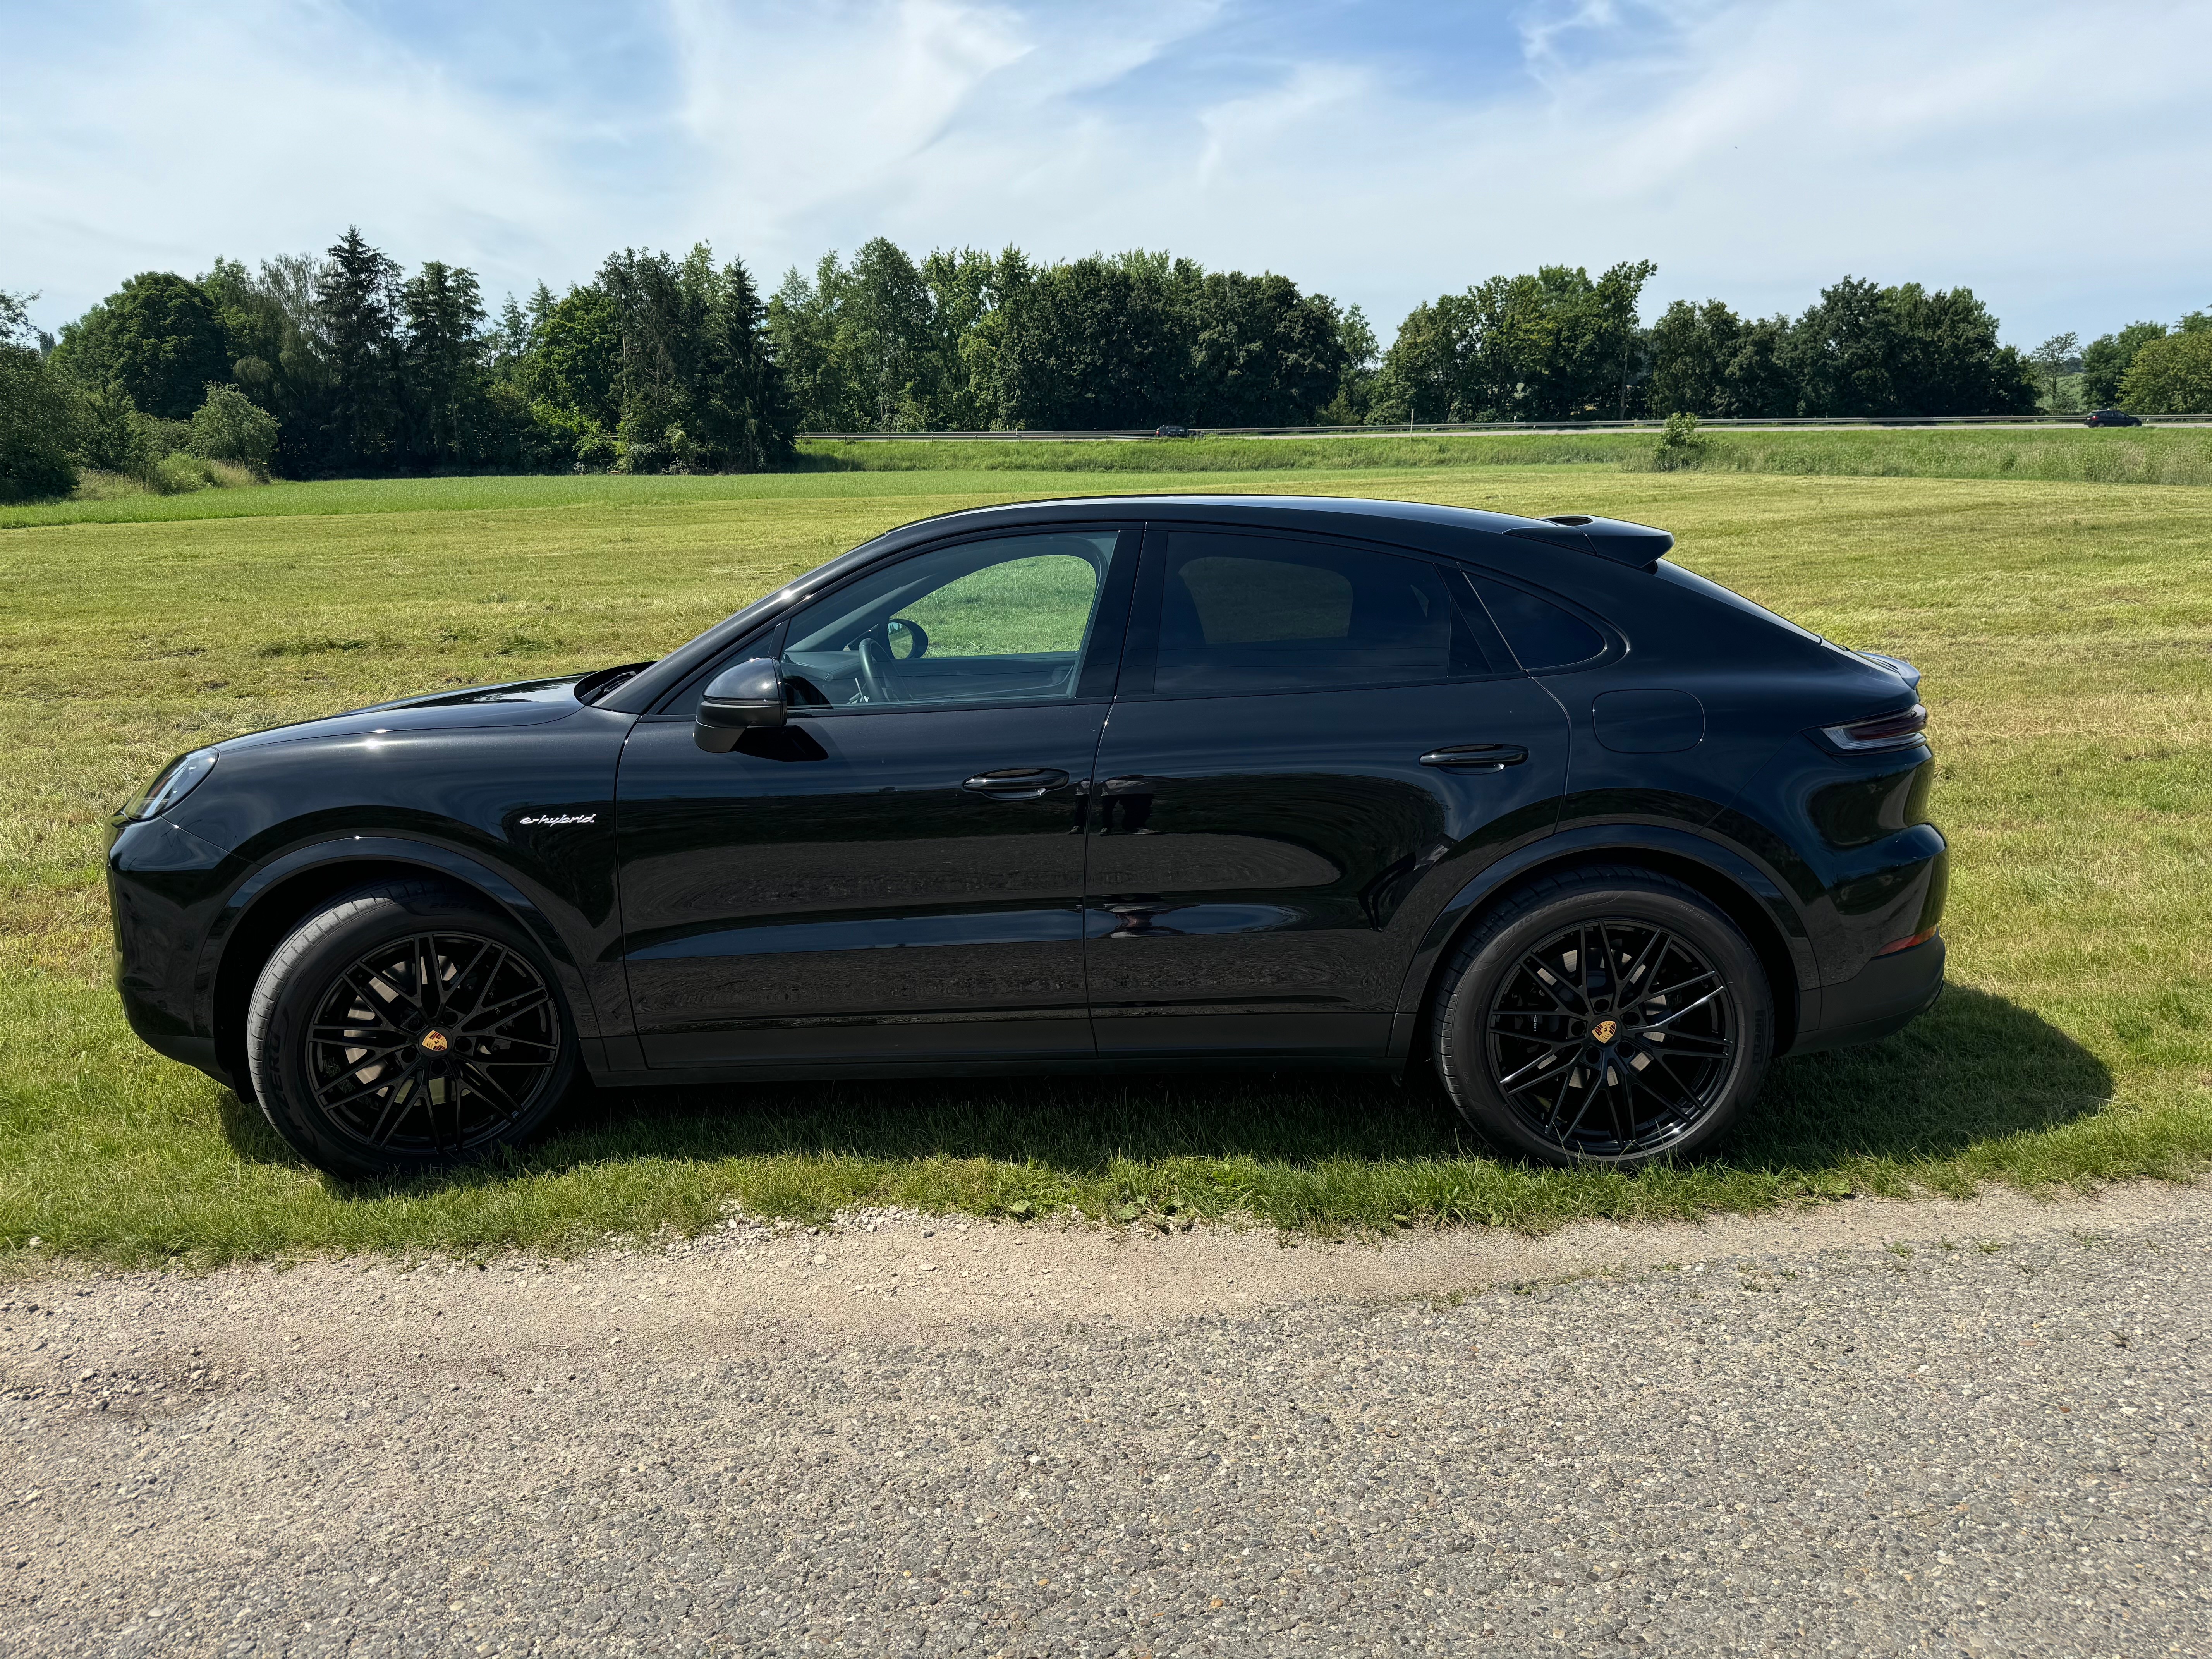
[171, 785]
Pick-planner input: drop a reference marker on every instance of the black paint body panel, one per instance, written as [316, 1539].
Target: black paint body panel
[1220, 879]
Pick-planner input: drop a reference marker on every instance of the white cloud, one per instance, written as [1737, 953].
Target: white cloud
[2047, 154]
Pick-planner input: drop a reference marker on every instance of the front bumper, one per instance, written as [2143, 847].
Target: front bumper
[1885, 996]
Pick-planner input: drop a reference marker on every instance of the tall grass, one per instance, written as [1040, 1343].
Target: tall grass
[2172, 455]
[2152, 455]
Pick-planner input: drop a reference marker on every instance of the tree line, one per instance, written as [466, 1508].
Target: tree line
[343, 363]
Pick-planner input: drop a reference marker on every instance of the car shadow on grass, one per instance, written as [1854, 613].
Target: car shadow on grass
[1975, 1068]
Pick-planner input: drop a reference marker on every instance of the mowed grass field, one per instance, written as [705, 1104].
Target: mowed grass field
[2065, 629]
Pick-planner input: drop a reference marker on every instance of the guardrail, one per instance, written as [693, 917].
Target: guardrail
[1131, 433]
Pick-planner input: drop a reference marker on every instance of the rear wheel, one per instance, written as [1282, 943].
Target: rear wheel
[1610, 1016]
[404, 1029]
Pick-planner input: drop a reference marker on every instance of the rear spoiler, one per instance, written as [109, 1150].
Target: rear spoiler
[1639, 546]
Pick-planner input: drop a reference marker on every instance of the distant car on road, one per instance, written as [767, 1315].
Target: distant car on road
[2113, 418]
[1173, 432]
[1136, 781]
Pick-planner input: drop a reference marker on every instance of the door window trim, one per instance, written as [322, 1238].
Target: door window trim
[1140, 654]
[1095, 674]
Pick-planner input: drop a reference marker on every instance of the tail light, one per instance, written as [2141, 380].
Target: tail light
[1899, 731]
[1906, 944]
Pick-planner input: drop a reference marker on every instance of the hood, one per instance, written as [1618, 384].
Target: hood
[517, 703]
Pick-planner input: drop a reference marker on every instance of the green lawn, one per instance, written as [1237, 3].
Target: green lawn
[2065, 629]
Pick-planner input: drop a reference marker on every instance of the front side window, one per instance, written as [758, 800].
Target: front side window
[1261, 613]
[1005, 620]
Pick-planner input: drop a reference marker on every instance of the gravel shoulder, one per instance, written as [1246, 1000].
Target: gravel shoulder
[1978, 1426]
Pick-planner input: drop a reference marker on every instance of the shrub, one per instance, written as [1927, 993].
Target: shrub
[231, 427]
[179, 474]
[1680, 445]
[2171, 376]
[110, 435]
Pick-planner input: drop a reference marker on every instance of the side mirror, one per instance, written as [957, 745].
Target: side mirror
[737, 699]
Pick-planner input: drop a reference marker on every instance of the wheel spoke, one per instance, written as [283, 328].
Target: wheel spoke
[1621, 1096]
[1512, 1084]
[1589, 1095]
[360, 1091]
[363, 980]
[1674, 1095]
[355, 1034]
[482, 1083]
[1549, 983]
[396, 1105]
[511, 1042]
[491, 977]
[353, 1067]
[1688, 1007]
[1679, 985]
[513, 1008]
[430, 983]
[1647, 960]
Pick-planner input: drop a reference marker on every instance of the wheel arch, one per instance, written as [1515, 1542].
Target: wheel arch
[266, 907]
[1747, 894]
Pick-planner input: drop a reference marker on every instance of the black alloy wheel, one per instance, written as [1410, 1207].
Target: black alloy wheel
[1612, 1040]
[404, 1028]
[434, 1043]
[1609, 1015]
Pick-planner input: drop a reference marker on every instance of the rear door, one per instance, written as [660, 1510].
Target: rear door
[1315, 743]
[896, 874]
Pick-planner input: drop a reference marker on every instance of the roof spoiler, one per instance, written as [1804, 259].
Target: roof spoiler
[1639, 546]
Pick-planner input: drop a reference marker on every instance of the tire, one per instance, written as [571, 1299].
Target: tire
[1590, 1068]
[371, 1061]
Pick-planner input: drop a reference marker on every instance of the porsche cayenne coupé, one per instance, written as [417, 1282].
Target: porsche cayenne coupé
[1119, 782]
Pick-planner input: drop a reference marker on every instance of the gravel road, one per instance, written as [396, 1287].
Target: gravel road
[1870, 1429]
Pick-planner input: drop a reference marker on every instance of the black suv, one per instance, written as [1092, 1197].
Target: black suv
[1119, 782]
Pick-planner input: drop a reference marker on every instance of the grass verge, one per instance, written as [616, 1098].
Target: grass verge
[2171, 455]
[2066, 630]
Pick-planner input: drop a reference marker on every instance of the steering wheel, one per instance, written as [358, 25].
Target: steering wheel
[875, 665]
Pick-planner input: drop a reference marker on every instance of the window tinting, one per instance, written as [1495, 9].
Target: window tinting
[998, 620]
[1542, 635]
[1253, 613]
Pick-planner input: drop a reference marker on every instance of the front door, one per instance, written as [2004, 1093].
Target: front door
[1315, 744]
[896, 874]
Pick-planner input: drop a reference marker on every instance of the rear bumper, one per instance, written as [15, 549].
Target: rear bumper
[1885, 996]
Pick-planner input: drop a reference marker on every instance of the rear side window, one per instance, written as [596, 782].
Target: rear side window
[1261, 613]
[1542, 635]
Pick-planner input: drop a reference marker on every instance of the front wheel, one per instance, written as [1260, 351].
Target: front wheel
[404, 1029]
[1604, 1016]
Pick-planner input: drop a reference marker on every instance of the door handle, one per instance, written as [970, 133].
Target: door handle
[1016, 782]
[1476, 756]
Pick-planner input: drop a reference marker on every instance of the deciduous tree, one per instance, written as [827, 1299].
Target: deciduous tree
[159, 337]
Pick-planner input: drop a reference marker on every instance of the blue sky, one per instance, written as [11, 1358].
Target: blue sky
[2052, 156]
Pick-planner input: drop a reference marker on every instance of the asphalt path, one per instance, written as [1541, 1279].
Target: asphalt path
[1868, 1429]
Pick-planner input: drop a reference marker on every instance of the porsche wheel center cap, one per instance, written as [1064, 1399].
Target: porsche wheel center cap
[436, 1042]
[1604, 1031]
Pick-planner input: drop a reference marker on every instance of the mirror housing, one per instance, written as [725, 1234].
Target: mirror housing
[737, 699]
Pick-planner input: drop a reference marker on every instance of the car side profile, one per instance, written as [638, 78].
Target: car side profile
[2112, 417]
[1121, 783]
